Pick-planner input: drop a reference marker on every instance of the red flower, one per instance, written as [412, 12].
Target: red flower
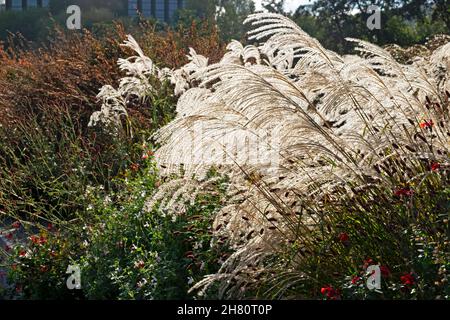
[408, 279]
[330, 292]
[49, 226]
[9, 236]
[7, 248]
[22, 253]
[18, 288]
[43, 268]
[38, 240]
[34, 239]
[344, 238]
[356, 279]
[385, 272]
[404, 192]
[42, 240]
[427, 124]
[16, 225]
[435, 166]
[368, 262]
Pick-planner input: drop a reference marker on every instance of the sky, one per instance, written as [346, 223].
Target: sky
[291, 5]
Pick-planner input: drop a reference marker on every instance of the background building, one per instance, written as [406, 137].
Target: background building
[23, 4]
[163, 10]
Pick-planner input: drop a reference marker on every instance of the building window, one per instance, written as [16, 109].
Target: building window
[166, 11]
[153, 8]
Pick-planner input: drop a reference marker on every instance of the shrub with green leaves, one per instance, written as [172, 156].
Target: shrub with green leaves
[125, 249]
[134, 251]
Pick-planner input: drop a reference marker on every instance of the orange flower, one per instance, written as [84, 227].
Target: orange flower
[426, 124]
[147, 155]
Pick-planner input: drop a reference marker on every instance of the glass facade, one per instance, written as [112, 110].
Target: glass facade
[163, 10]
[18, 5]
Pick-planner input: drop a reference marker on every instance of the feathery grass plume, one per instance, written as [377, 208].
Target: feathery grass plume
[141, 74]
[335, 124]
[340, 119]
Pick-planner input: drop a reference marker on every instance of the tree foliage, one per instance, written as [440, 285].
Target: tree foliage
[404, 22]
